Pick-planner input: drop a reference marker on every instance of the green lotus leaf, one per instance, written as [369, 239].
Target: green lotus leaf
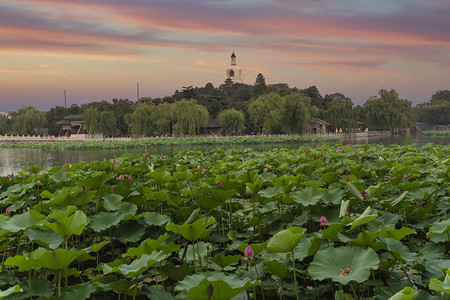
[79, 292]
[63, 212]
[57, 259]
[177, 272]
[130, 231]
[441, 286]
[94, 180]
[9, 291]
[398, 250]
[112, 202]
[344, 208]
[226, 260]
[147, 246]
[68, 226]
[63, 175]
[44, 237]
[96, 247]
[439, 228]
[193, 232]
[397, 234]
[354, 191]
[160, 176]
[225, 286]
[22, 222]
[408, 293]
[105, 220]
[343, 264]
[156, 294]
[277, 269]
[364, 218]
[155, 219]
[285, 240]
[137, 266]
[332, 196]
[158, 196]
[271, 192]
[307, 197]
[36, 287]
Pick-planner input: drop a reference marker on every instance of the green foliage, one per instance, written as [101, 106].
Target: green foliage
[170, 225]
[29, 121]
[232, 121]
[388, 111]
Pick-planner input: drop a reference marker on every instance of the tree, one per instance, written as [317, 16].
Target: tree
[232, 121]
[28, 121]
[91, 118]
[441, 95]
[142, 120]
[339, 111]
[297, 111]
[266, 112]
[189, 117]
[260, 87]
[316, 99]
[107, 124]
[6, 125]
[388, 111]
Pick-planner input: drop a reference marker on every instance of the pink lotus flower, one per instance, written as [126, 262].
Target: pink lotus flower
[198, 167]
[265, 170]
[405, 177]
[38, 182]
[121, 177]
[248, 252]
[366, 193]
[129, 177]
[323, 221]
[8, 210]
[221, 184]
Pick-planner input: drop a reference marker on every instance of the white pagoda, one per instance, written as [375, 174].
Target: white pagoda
[233, 72]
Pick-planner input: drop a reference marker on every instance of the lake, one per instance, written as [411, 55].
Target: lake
[14, 160]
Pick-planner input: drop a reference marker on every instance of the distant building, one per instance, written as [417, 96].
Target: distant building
[318, 126]
[72, 124]
[233, 72]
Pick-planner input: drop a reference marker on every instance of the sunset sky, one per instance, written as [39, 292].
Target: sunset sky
[100, 49]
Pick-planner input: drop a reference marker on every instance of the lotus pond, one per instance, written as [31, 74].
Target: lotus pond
[333, 222]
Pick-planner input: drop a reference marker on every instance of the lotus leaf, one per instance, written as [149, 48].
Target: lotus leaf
[68, 226]
[278, 269]
[308, 196]
[226, 260]
[62, 175]
[225, 286]
[271, 192]
[9, 291]
[130, 231]
[112, 202]
[105, 220]
[137, 266]
[441, 286]
[193, 232]
[407, 293]
[439, 228]
[343, 264]
[45, 237]
[285, 240]
[23, 221]
[79, 292]
[364, 218]
[155, 219]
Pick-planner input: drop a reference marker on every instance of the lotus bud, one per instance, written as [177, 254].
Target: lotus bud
[8, 210]
[83, 189]
[38, 182]
[323, 221]
[129, 177]
[405, 177]
[249, 252]
[265, 170]
[221, 184]
[366, 193]
[121, 177]
[209, 290]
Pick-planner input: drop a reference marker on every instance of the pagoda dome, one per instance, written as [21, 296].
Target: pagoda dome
[233, 72]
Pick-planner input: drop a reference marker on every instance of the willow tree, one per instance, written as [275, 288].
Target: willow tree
[91, 118]
[189, 117]
[141, 120]
[266, 112]
[388, 111]
[232, 121]
[339, 112]
[108, 123]
[28, 120]
[297, 111]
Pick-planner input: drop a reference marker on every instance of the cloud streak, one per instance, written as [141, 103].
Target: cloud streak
[354, 36]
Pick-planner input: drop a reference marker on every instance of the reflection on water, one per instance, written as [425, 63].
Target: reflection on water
[14, 160]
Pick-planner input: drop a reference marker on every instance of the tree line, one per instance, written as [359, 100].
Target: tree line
[239, 108]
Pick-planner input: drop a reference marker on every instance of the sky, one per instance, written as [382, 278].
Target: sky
[102, 49]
